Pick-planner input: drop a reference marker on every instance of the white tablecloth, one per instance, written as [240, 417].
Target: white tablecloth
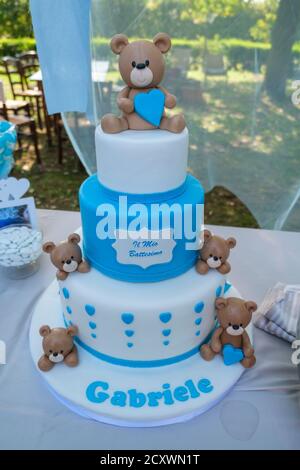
[261, 412]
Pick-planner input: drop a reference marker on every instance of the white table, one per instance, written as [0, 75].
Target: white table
[261, 412]
[99, 71]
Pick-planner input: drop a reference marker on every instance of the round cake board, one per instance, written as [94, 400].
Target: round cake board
[120, 395]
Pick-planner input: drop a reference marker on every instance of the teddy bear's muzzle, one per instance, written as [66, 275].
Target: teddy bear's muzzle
[141, 77]
[235, 330]
[56, 357]
[214, 262]
[70, 266]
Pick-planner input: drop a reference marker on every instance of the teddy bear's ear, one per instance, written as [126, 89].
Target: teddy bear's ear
[48, 247]
[207, 235]
[45, 330]
[251, 306]
[220, 303]
[163, 42]
[231, 242]
[72, 330]
[118, 42]
[74, 238]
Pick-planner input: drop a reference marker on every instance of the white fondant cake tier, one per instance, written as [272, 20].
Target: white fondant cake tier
[141, 325]
[142, 162]
[131, 396]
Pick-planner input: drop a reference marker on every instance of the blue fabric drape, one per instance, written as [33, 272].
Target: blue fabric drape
[62, 33]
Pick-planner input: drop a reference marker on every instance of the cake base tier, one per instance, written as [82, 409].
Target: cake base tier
[131, 396]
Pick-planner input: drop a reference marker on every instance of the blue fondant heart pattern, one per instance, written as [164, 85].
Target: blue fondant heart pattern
[165, 317]
[127, 318]
[90, 310]
[129, 333]
[232, 355]
[199, 307]
[166, 332]
[150, 106]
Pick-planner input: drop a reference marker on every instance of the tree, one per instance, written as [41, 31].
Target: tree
[15, 18]
[280, 57]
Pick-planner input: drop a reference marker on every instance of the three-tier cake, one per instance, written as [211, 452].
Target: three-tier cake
[142, 311]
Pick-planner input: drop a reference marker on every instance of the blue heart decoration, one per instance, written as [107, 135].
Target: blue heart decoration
[150, 106]
[165, 317]
[232, 355]
[129, 333]
[127, 318]
[90, 310]
[166, 332]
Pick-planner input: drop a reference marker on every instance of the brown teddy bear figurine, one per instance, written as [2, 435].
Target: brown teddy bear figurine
[231, 338]
[67, 256]
[143, 100]
[214, 254]
[58, 346]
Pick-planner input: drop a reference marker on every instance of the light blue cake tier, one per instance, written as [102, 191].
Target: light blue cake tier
[136, 260]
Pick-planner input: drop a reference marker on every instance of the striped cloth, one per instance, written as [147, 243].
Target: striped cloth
[279, 312]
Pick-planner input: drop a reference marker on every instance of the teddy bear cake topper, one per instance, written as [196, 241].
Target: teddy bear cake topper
[214, 254]
[231, 338]
[143, 100]
[67, 257]
[58, 346]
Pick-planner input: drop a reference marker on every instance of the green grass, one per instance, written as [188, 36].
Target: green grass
[222, 127]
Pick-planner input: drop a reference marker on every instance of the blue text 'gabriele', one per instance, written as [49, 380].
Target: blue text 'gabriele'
[100, 392]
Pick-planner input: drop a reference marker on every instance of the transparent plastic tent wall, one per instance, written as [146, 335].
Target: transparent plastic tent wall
[239, 139]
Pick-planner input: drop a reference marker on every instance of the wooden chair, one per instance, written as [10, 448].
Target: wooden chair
[15, 105]
[30, 62]
[58, 127]
[213, 64]
[18, 75]
[25, 125]
[181, 58]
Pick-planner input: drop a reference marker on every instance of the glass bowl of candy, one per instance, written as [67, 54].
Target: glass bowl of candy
[20, 250]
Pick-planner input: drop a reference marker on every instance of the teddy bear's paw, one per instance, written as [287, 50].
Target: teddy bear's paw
[248, 362]
[84, 267]
[174, 124]
[170, 101]
[112, 124]
[206, 352]
[126, 105]
[45, 364]
[202, 267]
[71, 361]
[61, 275]
[248, 352]
[224, 268]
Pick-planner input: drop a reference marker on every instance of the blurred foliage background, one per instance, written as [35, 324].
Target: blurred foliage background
[255, 18]
[249, 115]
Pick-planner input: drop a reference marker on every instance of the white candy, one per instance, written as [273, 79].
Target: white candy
[19, 246]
